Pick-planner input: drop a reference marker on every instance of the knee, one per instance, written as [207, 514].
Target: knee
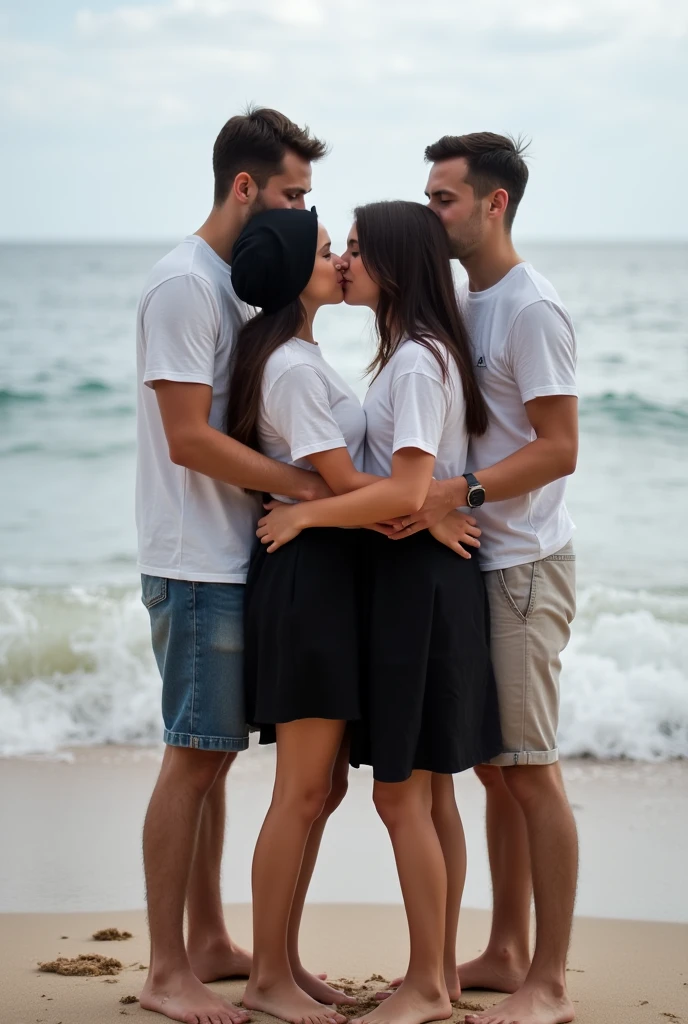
[390, 803]
[489, 774]
[196, 769]
[338, 790]
[305, 802]
[533, 783]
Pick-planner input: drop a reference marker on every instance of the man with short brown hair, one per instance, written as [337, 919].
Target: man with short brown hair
[525, 355]
[196, 524]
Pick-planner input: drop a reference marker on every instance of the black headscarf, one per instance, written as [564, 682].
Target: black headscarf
[274, 256]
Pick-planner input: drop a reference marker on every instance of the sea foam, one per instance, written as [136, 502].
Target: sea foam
[76, 669]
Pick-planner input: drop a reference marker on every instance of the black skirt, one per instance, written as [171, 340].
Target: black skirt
[429, 696]
[301, 631]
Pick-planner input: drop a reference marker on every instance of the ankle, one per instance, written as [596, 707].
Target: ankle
[554, 984]
[511, 954]
[162, 971]
[209, 936]
[433, 988]
[264, 979]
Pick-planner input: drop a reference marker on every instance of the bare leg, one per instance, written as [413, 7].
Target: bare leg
[313, 984]
[406, 809]
[306, 753]
[449, 828]
[504, 964]
[542, 999]
[212, 953]
[169, 839]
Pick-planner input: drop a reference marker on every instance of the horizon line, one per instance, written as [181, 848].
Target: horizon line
[552, 240]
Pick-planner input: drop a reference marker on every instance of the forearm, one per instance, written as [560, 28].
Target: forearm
[536, 464]
[382, 500]
[354, 482]
[223, 458]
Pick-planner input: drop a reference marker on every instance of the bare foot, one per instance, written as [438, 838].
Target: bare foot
[314, 985]
[287, 1001]
[451, 979]
[408, 1006]
[219, 961]
[496, 972]
[532, 1004]
[182, 997]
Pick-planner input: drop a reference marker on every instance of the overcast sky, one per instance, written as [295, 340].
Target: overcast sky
[108, 111]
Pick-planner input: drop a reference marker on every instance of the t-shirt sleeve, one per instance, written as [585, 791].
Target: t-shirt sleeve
[297, 407]
[542, 348]
[420, 410]
[181, 325]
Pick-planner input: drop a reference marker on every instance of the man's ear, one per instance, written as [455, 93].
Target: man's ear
[242, 187]
[499, 203]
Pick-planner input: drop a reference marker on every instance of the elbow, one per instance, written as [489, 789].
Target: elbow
[569, 461]
[181, 451]
[410, 503]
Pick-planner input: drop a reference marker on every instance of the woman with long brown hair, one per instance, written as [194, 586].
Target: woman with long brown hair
[429, 706]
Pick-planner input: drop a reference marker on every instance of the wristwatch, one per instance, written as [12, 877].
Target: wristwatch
[476, 492]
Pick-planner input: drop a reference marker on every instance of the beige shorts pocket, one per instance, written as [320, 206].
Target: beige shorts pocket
[518, 584]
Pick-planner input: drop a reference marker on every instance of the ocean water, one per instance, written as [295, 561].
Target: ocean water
[75, 660]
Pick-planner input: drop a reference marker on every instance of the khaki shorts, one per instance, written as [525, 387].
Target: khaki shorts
[531, 610]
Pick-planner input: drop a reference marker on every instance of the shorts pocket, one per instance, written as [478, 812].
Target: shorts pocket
[153, 590]
[518, 586]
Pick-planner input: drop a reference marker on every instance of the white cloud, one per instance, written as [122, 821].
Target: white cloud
[380, 78]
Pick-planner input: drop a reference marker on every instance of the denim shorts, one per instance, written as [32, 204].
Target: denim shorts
[198, 640]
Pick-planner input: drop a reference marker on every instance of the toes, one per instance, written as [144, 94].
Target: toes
[383, 995]
[192, 1018]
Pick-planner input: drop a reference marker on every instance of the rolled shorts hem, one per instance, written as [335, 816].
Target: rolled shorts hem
[222, 744]
[518, 757]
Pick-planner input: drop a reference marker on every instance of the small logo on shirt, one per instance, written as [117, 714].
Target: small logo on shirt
[481, 362]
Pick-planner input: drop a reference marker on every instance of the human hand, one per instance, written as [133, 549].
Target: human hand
[439, 502]
[315, 488]
[280, 526]
[455, 530]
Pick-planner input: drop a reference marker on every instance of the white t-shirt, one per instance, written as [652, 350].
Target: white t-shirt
[524, 347]
[307, 408]
[408, 405]
[190, 526]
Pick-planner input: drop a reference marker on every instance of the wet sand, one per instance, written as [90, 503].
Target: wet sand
[71, 841]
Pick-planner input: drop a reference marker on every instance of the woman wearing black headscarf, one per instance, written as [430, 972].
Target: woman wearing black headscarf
[301, 631]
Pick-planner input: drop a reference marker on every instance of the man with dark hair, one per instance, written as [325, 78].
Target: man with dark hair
[196, 524]
[525, 354]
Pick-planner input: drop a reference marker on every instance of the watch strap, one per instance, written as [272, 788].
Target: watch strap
[471, 480]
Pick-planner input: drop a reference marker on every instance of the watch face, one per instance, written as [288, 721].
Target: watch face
[476, 497]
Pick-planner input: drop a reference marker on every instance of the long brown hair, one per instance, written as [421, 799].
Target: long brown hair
[255, 343]
[405, 249]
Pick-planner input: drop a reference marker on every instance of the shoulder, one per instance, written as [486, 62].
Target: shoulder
[181, 281]
[290, 363]
[412, 357]
[535, 300]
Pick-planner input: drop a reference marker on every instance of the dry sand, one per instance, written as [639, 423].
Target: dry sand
[75, 840]
[619, 972]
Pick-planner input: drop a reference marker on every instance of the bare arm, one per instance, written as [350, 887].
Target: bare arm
[549, 457]
[193, 443]
[400, 494]
[338, 471]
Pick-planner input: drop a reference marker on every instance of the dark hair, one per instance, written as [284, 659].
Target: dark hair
[405, 250]
[494, 161]
[256, 142]
[255, 343]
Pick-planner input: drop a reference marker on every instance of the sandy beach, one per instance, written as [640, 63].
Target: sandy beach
[619, 972]
[70, 850]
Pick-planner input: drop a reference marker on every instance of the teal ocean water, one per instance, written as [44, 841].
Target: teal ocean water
[75, 665]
